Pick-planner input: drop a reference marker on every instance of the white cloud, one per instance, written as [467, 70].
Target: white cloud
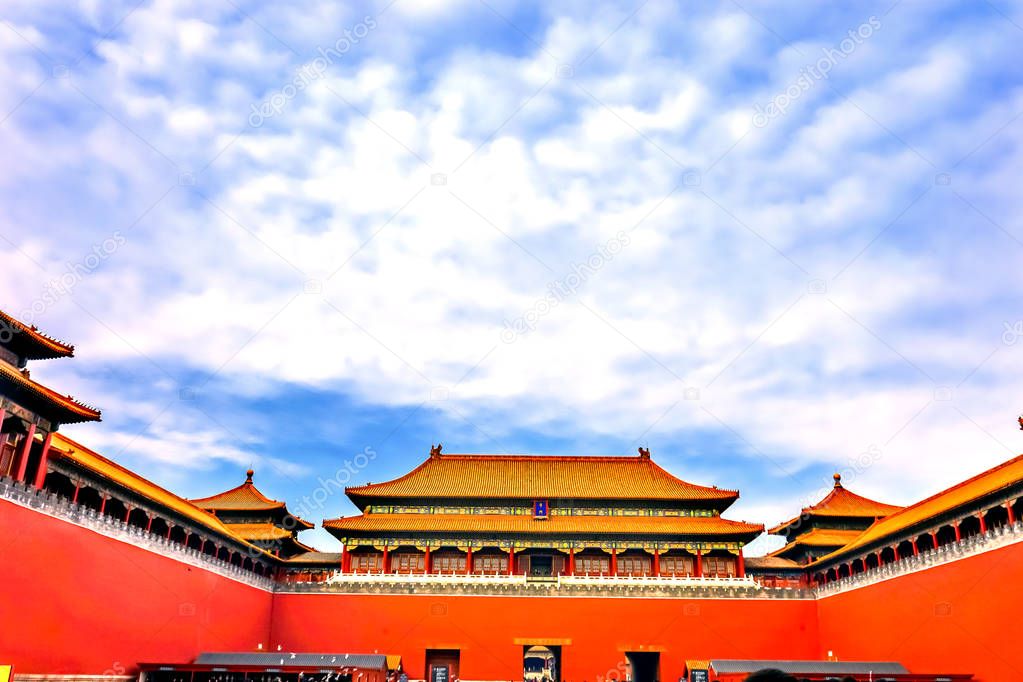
[436, 255]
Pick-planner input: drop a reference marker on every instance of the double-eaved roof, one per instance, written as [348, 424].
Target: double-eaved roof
[932, 510]
[591, 496]
[30, 343]
[529, 477]
[245, 497]
[47, 402]
[838, 503]
[568, 525]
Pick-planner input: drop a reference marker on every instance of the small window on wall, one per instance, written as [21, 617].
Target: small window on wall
[722, 567]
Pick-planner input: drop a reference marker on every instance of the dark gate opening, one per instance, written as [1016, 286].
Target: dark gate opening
[541, 663]
[645, 665]
[442, 665]
[541, 565]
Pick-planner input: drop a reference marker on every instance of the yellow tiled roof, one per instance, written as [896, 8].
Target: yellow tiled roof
[521, 524]
[243, 497]
[841, 503]
[824, 537]
[65, 448]
[819, 537]
[540, 477]
[770, 561]
[258, 531]
[246, 497]
[314, 557]
[45, 347]
[70, 410]
[991, 481]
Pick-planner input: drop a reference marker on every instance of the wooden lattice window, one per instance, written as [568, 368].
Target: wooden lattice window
[491, 564]
[408, 562]
[367, 562]
[677, 565]
[719, 566]
[634, 565]
[593, 565]
[448, 563]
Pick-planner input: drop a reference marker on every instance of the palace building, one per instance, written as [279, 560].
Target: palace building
[831, 524]
[542, 516]
[254, 517]
[27, 409]
[483, 567]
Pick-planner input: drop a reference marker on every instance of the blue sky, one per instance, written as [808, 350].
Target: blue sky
[767, 240]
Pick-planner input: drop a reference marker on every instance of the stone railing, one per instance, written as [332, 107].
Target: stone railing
[579, 585]
[953, 551]
[62, 508]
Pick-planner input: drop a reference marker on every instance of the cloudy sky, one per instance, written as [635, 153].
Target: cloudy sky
[768, 241]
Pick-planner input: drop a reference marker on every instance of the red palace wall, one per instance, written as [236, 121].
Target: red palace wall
[593, 632]
[78, 602]
[959, 617]
[75, 601]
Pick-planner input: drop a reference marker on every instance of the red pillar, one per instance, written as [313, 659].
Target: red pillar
[44, 457]
[699, 563]
[657, 561]
[24, 451]
[149, 524]
[740, 565]
[346, 560]
[571, 561]
[127, 515]
[1008, 505]
[468, 560]
[934, 538]
[3, 436]
[427, 563]
[169, 527]
[880, 560]
[614, 561]
[983, 523]
[78, 487]
[916, 549]
[959, 533]
[385, 563]
[511, 561]
[103, 505]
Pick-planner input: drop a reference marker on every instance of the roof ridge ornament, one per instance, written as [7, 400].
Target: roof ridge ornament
[644, 453]
[838, 480]
[435, 449]
[248, 476]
